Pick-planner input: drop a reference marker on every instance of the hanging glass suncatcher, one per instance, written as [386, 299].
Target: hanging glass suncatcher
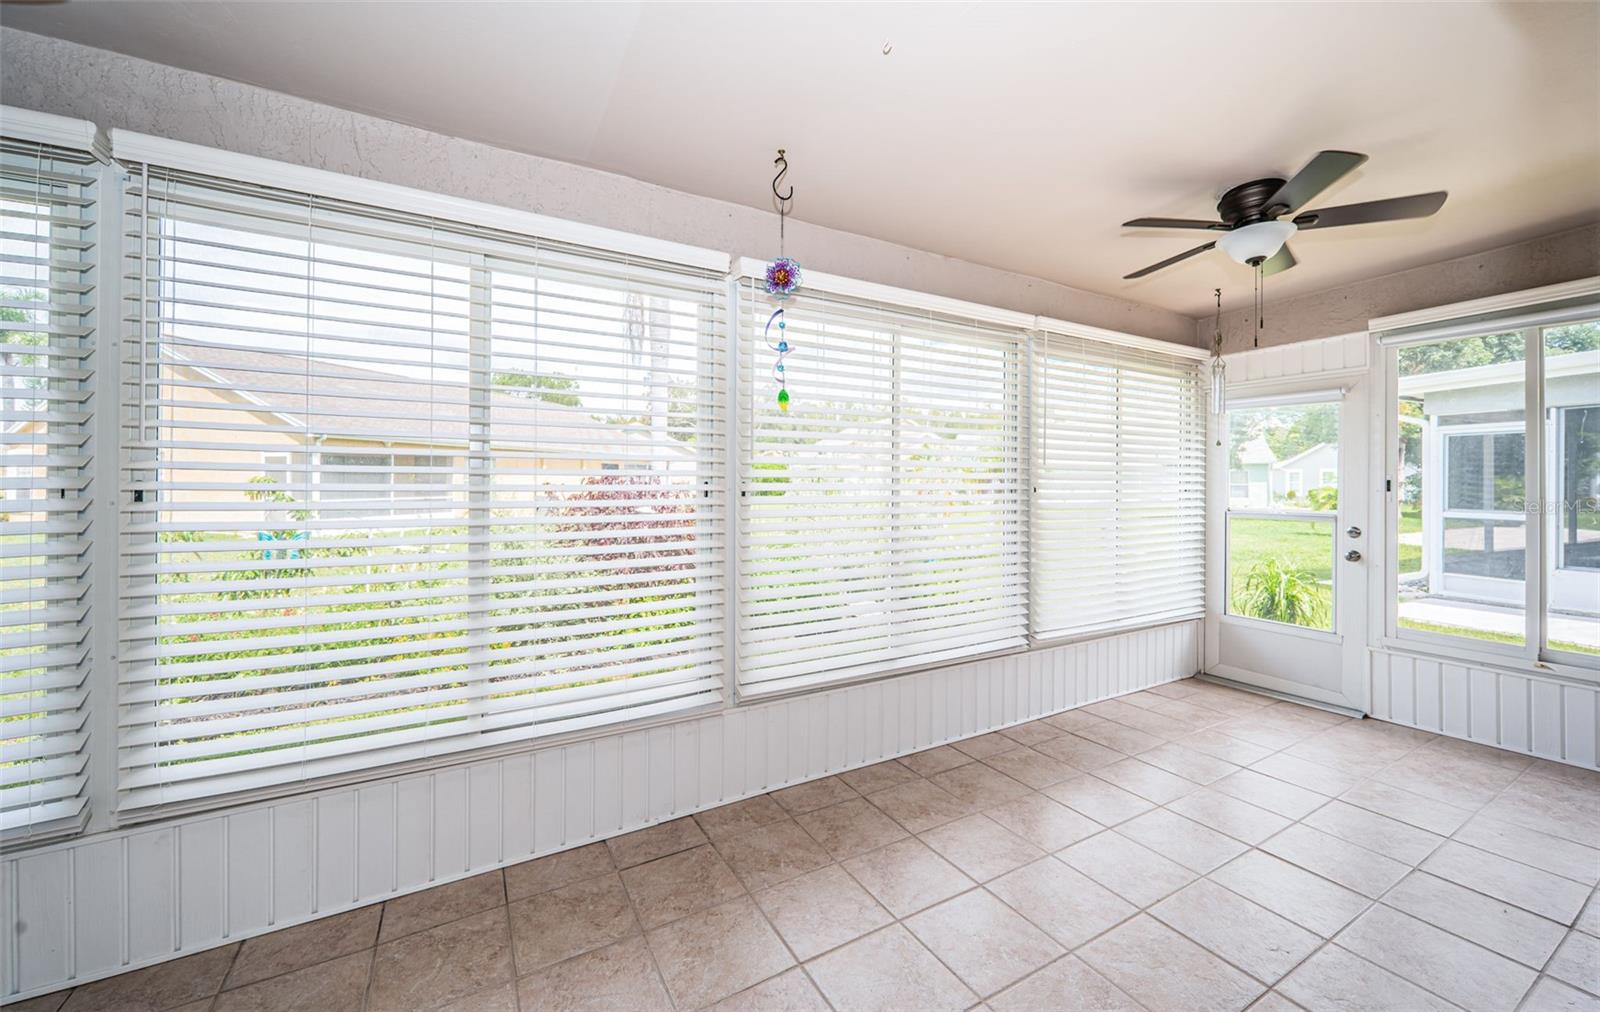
[782, 279]
[1219, 370]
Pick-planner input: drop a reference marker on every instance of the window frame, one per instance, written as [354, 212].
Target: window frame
[1530, 313]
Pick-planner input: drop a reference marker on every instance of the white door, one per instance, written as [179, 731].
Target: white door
[1287, 607]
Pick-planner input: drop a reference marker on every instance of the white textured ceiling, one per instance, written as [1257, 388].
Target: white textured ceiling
[1018, 136]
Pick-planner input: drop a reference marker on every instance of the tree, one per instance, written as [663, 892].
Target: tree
[548, 389]
[12, 340]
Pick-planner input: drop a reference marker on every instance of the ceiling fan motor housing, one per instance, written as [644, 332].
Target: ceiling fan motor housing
[1244, 204]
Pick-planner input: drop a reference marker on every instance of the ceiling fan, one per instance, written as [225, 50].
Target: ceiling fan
[1251, 226]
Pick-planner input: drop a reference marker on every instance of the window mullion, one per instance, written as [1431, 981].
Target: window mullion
[1533, 491]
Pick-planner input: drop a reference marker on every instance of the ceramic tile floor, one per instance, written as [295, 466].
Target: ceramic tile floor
[1189, 847]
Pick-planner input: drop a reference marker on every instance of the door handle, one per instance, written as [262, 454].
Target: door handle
[1354, 532]
[1352, 556]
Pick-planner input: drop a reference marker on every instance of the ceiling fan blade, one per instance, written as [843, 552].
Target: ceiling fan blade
[1327, 168]
[1418, 205]
[1279, 261]
[1168, 262]
[1174, 223]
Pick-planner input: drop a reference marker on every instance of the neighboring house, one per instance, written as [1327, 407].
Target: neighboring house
[1262, 481]
[1474, 529]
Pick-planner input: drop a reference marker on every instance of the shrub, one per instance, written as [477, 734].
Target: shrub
[1271, 590]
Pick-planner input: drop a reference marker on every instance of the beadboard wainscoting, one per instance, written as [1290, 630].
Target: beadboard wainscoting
[96, 906]
[1545, 717]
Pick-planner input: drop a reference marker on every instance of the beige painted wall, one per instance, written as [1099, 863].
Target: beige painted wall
[1549, 260]
[113, 90]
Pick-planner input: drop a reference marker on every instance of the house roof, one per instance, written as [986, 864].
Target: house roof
[1303, 453]
[1256, 451]
[350, 402]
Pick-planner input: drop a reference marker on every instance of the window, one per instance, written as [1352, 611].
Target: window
[1280, 538]
[397, 487]
[882, 520]
[1467, 529]
[1118, 522]
[49, 247]
[1328, 478]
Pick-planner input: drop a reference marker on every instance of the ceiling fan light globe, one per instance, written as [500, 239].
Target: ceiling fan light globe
[1262, 240]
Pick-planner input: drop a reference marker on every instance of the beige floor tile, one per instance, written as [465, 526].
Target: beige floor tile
[920, 805]
[789, 991]
[773, 854]
[677, 885]
[1035, 769]
[981, 847]
[158, 987]
[556, 870]
[815, 794]
[1141, 778]
[440, 905]
[1530, 888]
[1550, 995]
[1196, 717]
[1079, 753]
[620, 977]
[988, 945]
[1589, 921]
[440, 965]
[1251, 728]
[1292, 892]
[727, 821]
[499, 998]
[1044, 823]
[935, 760]
[821, 910]
[1196, 847]
[1238, 819]
[570, 921]
[1412, 809]
[1551, 853]
[1508, 930]
[1275, 796]
[888, 971]
[978, 785]
[306, 944]
[656, 841]
[1467, 974]
[1226, 747]
[1031, 733]
[1183, 688]
[1389, 837]
[1136, 873]
[1365, 871]
[1337, 979]
[53, 1001]
[1127, 740]
[907, 876]
[716, 953]
[1272, 1001]
[1247, 935]
[1177, 758]
[1066, 904]
[1066, 984]
[984, 745]
[878, 776]
[1313, 776]
[1105, 803]
[1163, 970]
[1071, 720]
[1463, 782]
[336, 986]
[1552, 806]
[1577, 962]
[851, 828]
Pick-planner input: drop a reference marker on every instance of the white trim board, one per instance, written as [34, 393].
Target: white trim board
[103, 904]
[1549, 718]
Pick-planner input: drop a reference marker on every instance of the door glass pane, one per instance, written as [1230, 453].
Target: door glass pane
[1572, 420]
[1281, 569]
[1284, 457]
[1461, 465]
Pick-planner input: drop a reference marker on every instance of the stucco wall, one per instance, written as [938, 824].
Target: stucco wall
[112, 90]
[1548, 260]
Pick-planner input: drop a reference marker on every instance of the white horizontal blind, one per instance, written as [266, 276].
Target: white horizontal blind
[1118, 525]
[48, 256]
[882, 521]
[396, 488]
